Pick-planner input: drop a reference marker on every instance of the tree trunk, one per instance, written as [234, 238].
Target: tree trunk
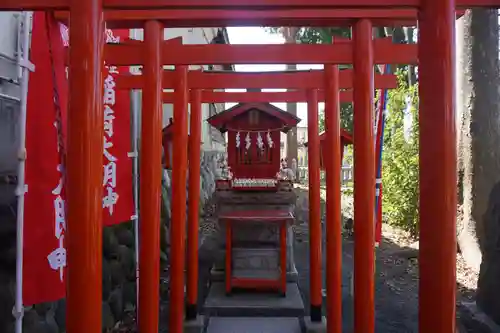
[480, 231]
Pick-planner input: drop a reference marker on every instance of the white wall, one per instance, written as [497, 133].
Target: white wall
[10, 91]
[9, 22]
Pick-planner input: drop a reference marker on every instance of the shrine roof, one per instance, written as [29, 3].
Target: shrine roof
[220, 120]
[343, 134]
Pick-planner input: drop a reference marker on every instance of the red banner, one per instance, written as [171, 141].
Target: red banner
[117, 204]
[44, 254]
[44, 218]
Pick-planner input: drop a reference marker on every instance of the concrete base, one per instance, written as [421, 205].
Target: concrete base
[196, 325]
[253, 325]
[253, 304]
[314, 327]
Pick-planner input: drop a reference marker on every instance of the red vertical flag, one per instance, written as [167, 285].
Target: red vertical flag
[44, 217]
[118, 205]
[117, 202]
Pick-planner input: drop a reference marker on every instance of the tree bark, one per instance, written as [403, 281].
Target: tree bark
[479, 234]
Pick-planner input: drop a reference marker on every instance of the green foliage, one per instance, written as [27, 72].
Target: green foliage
[321, 35]
[346, 117]
[400, 158]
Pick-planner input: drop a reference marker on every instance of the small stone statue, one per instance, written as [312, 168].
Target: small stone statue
[285, 172]
[349, 226]
[294, 168]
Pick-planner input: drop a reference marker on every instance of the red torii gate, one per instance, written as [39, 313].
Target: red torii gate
[199, 80]
[437, 158]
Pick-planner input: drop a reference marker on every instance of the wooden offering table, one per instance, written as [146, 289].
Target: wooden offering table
[254, 279]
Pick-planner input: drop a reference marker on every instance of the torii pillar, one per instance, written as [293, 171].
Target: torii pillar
[438, 194]
[84, 168]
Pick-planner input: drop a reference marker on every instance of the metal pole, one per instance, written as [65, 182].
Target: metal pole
[21, 186]
[135, 180]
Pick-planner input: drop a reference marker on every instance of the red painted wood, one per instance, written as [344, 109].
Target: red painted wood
[268, 215]
[253, 119]
[272, 17]
[241, 4]
[219, 54]
[194, 150]
[229, 254]
[150, 178]
[224, 118]
[313, 151]
[178, 226]
[259, 97]
[281, 217]
[364, 180]
[345, 140]
[132, 42]
[309, 79]
[84, 175]
[438, 177]
[332, 161]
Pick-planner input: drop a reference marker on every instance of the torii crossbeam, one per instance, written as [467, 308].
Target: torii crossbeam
[271, 17]
[241, 4]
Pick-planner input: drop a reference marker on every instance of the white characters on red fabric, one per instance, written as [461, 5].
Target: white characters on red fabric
[108, 120]
[110, 199]
[57, 258]
[110, 166]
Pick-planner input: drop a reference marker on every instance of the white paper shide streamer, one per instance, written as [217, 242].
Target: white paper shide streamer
[248, 141]
[260, 142]
[270, 142]
[238, 142]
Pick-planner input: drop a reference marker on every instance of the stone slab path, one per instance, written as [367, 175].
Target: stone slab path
[253, 325]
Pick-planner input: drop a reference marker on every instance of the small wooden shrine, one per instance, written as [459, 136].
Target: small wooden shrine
[167, 136]
[254, 206]
[345, 140]
[253, 147]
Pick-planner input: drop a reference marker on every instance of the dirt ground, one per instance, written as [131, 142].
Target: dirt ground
[396, 284]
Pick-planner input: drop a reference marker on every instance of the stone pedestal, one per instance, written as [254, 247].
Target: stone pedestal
[195, 326]
[255, 244]
[315, 327]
